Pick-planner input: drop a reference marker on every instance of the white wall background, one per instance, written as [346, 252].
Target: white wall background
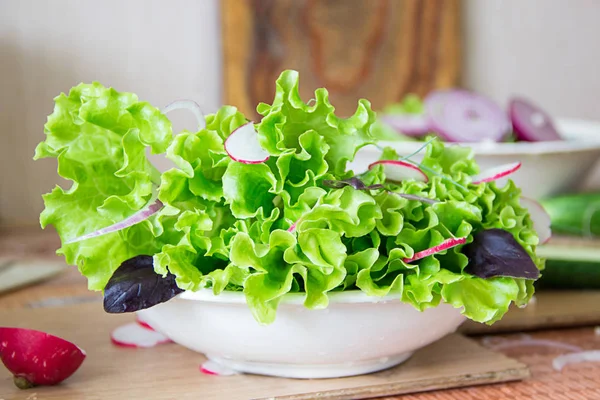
[548, 50]
[163, 50]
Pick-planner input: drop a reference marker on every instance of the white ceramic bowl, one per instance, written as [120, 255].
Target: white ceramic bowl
[548, 168]
[356, 334]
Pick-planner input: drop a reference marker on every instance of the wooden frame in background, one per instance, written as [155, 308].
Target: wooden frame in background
[375, 49]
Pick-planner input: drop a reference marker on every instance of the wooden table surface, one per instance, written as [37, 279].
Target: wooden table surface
[580, 381]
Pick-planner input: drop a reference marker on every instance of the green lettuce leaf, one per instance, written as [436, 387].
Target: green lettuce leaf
[274, 228]
[100, 137]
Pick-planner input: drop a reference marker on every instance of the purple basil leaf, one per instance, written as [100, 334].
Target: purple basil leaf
[495, 252]
[135, 286]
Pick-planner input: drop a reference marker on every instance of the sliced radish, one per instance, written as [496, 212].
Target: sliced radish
[398, 171]
[187, 105]
[37, 358]
[541, 219]
[445, 245]
[152, 208]
[495, 173]
[134, 335]
[243, 146]
[562, 361]
[216, 369]
[143, 324]
[464, 116]
[407, 124]
[531, 123]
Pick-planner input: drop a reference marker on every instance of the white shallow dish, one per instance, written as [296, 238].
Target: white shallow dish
[355, 335]
[548, 168]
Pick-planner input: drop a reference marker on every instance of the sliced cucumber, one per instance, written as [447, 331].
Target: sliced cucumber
[570, 267]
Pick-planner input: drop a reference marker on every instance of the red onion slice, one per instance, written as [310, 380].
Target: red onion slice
[531, 123]
[464, 116]
[154, 206]
[407, 124]
[187, 105]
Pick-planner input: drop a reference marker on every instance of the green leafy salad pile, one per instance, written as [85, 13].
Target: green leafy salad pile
[299, 221]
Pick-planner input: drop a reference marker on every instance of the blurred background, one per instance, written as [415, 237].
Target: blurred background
[230, 52]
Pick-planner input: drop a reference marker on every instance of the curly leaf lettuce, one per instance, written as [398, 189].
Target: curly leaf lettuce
[99, 137]
[274, 228]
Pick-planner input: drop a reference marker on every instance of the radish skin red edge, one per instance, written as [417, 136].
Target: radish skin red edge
[445, 245]
[397, 171]
[143, 324]
[215, 369]
[243, 146]
[37, 358]
[493, 174]
[133, 335]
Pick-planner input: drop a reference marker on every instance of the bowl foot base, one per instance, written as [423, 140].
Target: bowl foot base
[314, 371]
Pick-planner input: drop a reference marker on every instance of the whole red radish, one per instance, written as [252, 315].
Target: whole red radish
[37, 358]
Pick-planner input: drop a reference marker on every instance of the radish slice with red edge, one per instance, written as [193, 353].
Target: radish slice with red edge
[136, 336]
[398, 171]
[143, 323]
[407, 124]
[531, 123]
[445, 245]
[152, 208]
[215, 369]
[541, 219]
[37, 358]
[187, 105]
[243, 146]
[495, 173]
[464, 116]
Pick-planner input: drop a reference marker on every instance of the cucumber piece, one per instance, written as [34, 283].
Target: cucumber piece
[569, 267]
[574, 214]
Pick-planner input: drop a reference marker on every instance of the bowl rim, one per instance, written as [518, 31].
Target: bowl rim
[238, 297]
[581, 135]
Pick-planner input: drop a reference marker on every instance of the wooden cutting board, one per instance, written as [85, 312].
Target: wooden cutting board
[172, 372]
[551, 309]
[16, 274]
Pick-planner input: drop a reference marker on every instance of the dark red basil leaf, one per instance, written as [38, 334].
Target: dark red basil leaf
[135, 286]
[495, 252]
